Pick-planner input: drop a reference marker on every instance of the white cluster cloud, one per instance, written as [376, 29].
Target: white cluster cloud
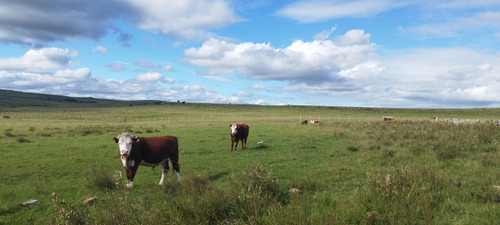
[48, 70]
[41, 67]
[41, 60]
[443, 76]
[100, 49]
[349, 68]
[187, 19]
[301, 61]
[150, 77]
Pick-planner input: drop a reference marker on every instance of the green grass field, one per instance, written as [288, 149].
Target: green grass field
[352, 169]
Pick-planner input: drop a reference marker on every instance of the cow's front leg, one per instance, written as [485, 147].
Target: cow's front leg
[236, 145]
[130, 176]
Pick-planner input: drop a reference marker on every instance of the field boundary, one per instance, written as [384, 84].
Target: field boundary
[231, 119]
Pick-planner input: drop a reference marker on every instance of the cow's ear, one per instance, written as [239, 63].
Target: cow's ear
[115, 139]
[135, 139]
[230, 125]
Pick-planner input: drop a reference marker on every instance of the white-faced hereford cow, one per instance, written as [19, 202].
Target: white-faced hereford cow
[239, 132]
[148, 151]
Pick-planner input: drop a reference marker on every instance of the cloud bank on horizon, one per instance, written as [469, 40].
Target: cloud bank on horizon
[381, 53]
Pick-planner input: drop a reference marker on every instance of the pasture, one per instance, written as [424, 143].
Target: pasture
[353, 168]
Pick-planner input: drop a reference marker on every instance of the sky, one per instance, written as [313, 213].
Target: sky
[360, 53]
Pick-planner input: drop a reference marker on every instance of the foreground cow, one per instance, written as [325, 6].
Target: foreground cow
[148, 151]
[239, 132]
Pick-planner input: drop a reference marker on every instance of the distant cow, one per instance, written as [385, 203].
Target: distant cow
[239, 132]
[303, 122]
[315, 122]
[148, 151]
[387, 118]
[5, 117]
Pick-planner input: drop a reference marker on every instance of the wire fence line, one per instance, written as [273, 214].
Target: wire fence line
[186, 118]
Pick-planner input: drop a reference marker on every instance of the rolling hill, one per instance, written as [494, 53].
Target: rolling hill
[15, 99]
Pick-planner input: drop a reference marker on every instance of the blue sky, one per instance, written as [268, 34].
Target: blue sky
[367, 53]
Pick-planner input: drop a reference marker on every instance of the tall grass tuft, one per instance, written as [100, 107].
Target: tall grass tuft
[99, 177]
[22, 140]
[8, 133]
[411, 195]
[249, 199]
[259, 180]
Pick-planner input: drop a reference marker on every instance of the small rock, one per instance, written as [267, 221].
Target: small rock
[30, 202]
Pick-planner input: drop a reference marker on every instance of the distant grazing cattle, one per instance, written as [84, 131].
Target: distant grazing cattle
[303, 122]
[435, 119]
[239, 132]
[5, 117]
[315, 122]
[148, 151]
[387, 118]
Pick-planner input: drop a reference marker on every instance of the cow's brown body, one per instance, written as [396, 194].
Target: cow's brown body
[152, 151]
[242, 134]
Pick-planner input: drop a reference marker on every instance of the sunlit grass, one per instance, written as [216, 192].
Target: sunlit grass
[345, 172]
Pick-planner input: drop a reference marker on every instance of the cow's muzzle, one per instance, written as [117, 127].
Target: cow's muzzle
[124, 154]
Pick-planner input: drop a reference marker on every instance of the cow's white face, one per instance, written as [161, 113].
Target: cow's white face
[125, 141]
[234, 129]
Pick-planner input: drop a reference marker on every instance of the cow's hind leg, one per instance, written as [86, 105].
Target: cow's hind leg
[177, 170]
[164, 171]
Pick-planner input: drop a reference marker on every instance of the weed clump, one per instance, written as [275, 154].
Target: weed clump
[22, 140]
[8, 133]
[403, 196]
[100, 177]
[68, 213]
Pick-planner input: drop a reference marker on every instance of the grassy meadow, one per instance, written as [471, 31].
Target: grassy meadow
[353, 168]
